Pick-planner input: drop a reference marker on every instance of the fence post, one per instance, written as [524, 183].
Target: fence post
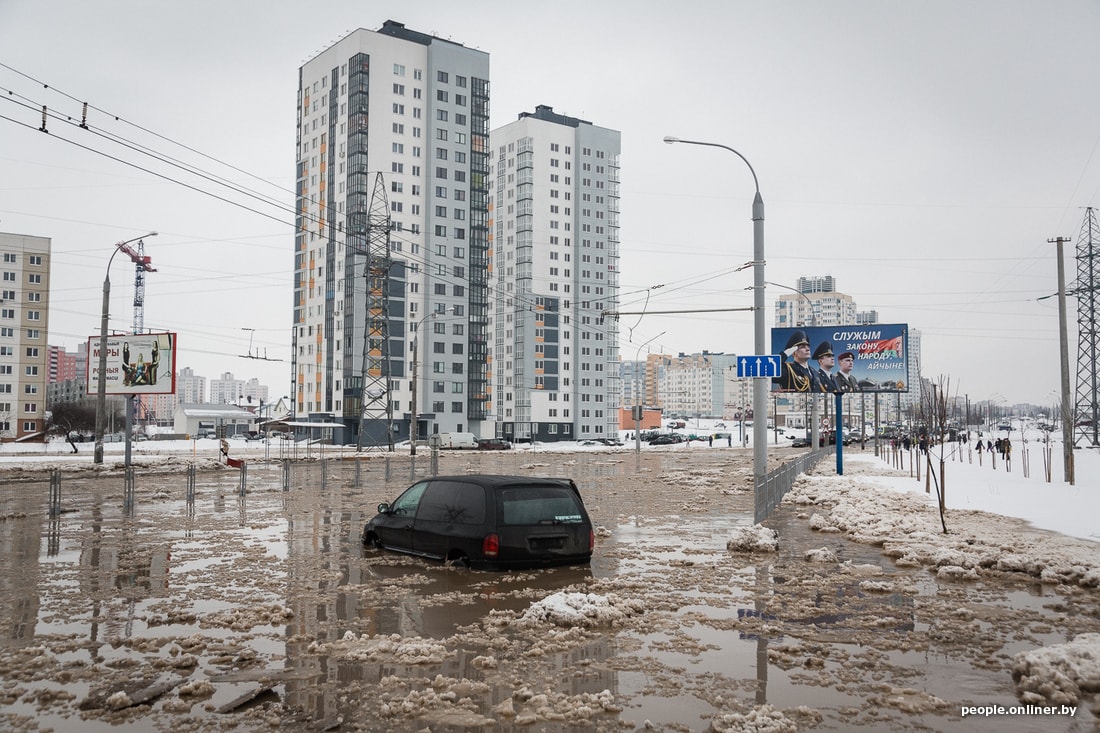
[128, 490]
[191, 483]
[55, 492]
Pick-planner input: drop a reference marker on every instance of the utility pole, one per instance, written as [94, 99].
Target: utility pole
[1063, 336]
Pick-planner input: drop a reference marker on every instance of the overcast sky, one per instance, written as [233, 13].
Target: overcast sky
[920, 153]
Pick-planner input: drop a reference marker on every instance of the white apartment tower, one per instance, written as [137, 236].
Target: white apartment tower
[555, 271]
[405, 115]
[24, 324]
[815, 301]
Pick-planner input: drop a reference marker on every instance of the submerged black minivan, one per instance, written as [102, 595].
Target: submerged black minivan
[487, 521]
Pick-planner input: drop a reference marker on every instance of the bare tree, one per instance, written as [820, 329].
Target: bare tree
[70, 418]
[934, 402]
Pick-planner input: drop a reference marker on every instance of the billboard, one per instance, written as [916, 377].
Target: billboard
[143, 363]
[872, 358]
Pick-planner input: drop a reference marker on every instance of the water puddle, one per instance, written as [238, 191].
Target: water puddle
[228, 609]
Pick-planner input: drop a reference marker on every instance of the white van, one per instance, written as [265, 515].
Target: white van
[465, 441]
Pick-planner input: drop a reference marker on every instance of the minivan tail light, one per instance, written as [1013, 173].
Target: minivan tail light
[490, 546]
[591, 539]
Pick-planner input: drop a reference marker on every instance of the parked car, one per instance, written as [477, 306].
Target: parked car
[493, 444]
[664, 440]
[206, 433]
[461, 441]
[487, 521]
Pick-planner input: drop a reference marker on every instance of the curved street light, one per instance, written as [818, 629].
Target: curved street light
[809, 302]
[101, 385]
[638, 394]
[760, 385]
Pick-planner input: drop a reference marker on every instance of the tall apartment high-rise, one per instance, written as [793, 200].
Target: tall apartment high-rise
[555, 271]
[814, 302]
[411, 111]
[24, 325]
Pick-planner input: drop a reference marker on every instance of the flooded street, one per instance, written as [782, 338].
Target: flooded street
[217, 610]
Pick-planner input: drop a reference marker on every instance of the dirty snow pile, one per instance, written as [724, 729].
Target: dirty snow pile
[581, 609]
[392, 648]
[908, 528]
[1058, 674]
[753, 539]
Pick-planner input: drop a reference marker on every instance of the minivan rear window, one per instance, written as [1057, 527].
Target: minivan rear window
[540, 505]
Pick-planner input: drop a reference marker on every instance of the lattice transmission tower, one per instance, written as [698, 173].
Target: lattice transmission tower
[376, 406]
[1086, 410]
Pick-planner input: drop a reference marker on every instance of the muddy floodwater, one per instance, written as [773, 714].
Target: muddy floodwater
[201, 607]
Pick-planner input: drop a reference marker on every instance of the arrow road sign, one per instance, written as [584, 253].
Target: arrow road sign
[767, 365]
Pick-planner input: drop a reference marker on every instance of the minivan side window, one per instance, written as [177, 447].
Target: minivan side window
[453, 502]
[405, 505]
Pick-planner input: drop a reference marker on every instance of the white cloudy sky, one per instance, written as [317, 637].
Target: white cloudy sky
[921, 153]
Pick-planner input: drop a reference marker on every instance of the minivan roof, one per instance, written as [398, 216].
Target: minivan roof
[495, 480]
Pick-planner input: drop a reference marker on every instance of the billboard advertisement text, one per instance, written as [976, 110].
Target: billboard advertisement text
[143, 363]
[873, 358]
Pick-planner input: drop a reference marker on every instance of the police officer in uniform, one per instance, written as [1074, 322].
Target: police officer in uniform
[823, 355]
[844, 380]
[796, 374]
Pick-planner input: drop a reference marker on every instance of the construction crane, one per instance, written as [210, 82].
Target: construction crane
[142, 265]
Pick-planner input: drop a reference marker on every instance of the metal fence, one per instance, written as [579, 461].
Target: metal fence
[779, 482]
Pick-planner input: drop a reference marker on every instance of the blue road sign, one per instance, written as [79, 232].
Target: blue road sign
[767, 365]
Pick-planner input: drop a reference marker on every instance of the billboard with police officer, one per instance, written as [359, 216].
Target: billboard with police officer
[872, 358]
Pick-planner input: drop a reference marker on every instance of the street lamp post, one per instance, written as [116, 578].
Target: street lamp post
[101, 383]
[414, 427]
[760, 384]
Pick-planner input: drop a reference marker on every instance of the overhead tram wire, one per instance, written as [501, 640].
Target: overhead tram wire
[156, 174]
[160, 157]
[194, 170]
[123, 120]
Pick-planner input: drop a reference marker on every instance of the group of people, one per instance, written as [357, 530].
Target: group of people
[1003, 446]
[798, 376]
